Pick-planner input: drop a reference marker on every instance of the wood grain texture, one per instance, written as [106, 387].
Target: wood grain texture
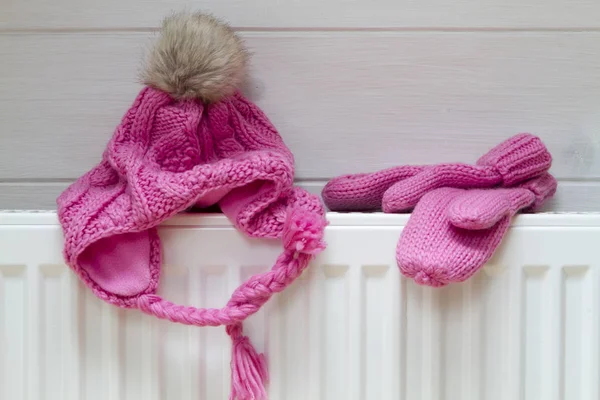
[344, 103]
[570, 197]
[30, 195]
[461, 14]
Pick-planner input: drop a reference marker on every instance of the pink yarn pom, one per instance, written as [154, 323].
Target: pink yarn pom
[426, 279]
[249, 373]
[303, 232]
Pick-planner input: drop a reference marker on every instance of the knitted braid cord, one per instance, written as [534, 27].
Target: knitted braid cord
[249, 373]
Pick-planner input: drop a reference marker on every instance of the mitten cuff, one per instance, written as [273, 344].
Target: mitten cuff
[519, 158]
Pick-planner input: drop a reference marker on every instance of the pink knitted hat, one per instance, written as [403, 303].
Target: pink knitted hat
[190, 139]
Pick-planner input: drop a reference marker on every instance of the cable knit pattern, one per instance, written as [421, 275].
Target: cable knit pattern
[165, 157]
[453, 232]
[398, 189]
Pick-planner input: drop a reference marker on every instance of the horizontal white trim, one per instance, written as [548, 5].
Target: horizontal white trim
[330, 14]
[32, 217]
[572, 196]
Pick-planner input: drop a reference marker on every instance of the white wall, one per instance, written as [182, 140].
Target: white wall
[352, 85]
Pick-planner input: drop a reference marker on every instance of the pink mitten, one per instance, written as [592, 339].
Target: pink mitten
[515, 160]
[364, 192]
[453, 232]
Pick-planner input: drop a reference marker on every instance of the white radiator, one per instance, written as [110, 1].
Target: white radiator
[526, 327]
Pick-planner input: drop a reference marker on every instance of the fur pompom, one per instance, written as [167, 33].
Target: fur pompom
[196, 56]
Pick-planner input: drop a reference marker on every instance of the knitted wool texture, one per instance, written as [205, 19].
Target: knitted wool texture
[400, 188]
[453, 232]
[167, 156]
[364, 192]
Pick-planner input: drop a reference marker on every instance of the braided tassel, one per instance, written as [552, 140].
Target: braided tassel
[249, 373]
[302, 239]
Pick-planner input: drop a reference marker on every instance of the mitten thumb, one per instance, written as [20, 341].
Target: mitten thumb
[483, 208]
